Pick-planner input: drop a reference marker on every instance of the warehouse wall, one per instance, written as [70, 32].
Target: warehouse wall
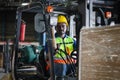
[8, 25]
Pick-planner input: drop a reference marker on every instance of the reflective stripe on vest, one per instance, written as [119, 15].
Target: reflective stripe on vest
[65, 61]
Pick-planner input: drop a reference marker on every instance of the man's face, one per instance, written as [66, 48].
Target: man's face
[61, 28]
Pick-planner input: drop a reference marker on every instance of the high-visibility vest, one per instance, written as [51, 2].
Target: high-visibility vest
[64, 45]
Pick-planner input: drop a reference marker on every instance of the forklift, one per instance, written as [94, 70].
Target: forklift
[28, 60]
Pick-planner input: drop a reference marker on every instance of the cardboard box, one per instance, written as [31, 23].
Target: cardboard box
[100, 53]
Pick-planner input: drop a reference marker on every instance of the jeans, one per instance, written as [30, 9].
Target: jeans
[60, 69]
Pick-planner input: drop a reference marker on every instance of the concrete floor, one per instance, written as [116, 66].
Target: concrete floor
[1, 73]
[4, 76]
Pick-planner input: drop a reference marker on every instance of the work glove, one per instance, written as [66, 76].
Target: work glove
[74, 54]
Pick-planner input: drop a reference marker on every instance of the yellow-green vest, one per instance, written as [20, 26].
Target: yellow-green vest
[64, 43]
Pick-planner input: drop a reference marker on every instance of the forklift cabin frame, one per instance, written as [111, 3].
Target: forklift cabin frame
[36, 7]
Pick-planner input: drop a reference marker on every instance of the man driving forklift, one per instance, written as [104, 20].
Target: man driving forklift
[63, 62]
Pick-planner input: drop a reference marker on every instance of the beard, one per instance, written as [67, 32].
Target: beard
[61, 32]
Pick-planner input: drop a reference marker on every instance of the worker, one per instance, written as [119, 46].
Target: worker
[63, 62]
[65, 46]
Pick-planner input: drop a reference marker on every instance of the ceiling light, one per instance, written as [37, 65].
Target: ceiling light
[24, 4]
